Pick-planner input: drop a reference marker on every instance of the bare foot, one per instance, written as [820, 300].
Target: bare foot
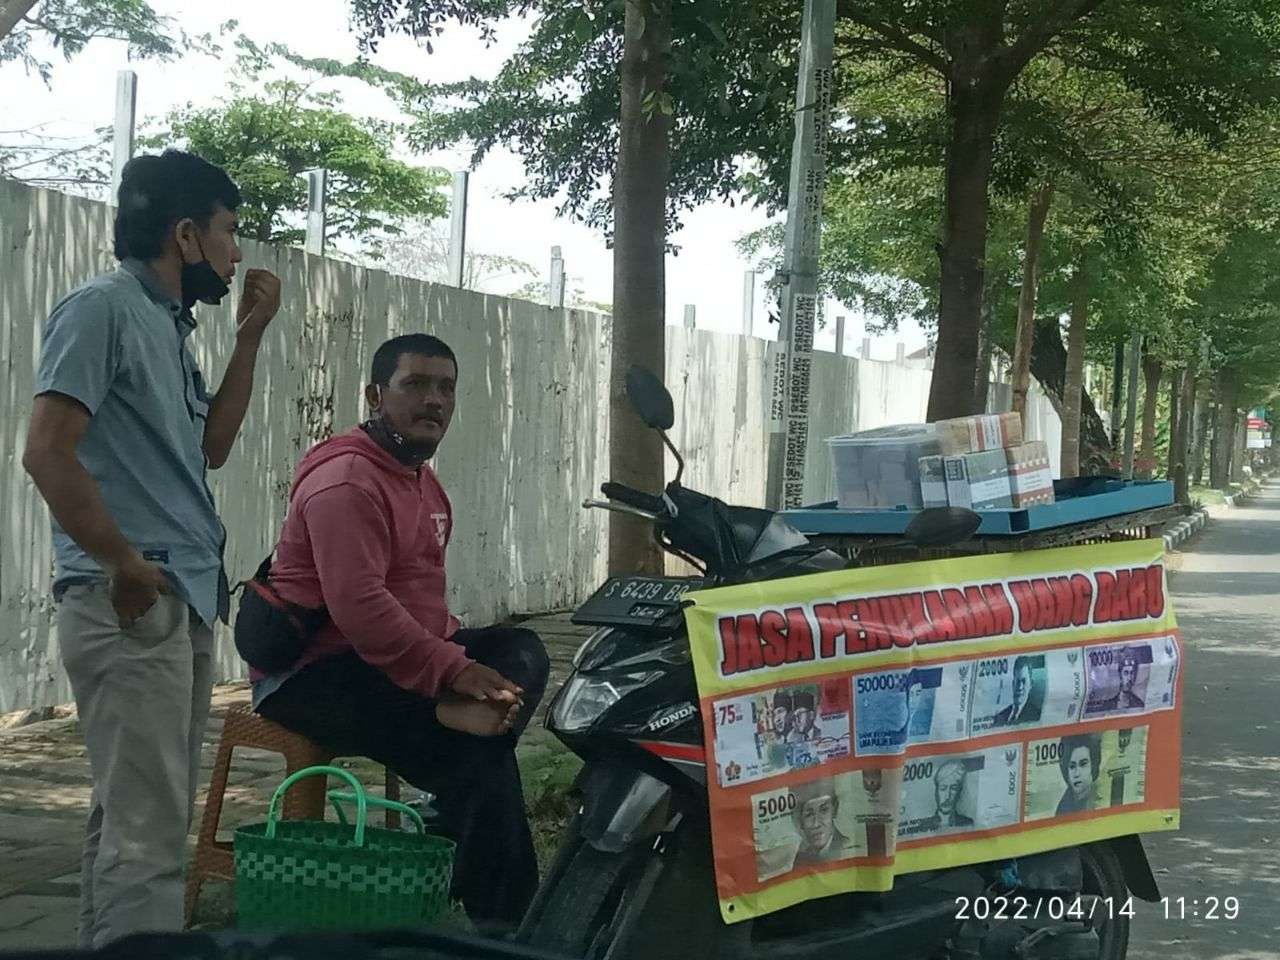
[480, 718]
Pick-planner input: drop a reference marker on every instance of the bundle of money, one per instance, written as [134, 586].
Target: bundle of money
[1030, 479]
[933, 481]
[993, 431]
[979, 480]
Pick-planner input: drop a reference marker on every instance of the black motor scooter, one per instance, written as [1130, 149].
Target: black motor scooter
[634, 877]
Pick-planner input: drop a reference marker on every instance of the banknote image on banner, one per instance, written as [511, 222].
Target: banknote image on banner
[1132, 677]
[870, 723]
[921, 705]
[1031, 689]
[962, 793]
[827, 820]
[1086, 772]
[775, 731]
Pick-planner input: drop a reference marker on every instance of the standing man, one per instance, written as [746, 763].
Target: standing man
[121, 435]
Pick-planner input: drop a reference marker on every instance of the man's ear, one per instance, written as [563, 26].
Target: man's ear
[187, 240]
[373, 396]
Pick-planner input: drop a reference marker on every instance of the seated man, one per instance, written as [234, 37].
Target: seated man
[391, 676]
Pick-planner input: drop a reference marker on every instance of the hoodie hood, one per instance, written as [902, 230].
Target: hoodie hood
[354, 441]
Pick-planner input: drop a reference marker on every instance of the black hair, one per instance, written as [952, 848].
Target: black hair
[158, 191]
[1071, 744]
[387, 357]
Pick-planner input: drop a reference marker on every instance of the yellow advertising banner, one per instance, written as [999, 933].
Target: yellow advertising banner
[879, 721]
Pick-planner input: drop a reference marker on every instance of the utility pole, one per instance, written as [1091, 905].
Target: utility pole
[793, 358]
[122, 133]
[748, 302]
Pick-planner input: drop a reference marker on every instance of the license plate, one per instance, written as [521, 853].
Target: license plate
[635, 601]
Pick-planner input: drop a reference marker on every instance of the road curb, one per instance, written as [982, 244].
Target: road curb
[1185, 529]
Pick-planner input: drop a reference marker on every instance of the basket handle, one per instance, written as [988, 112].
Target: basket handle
[339, 797]
[362, 809]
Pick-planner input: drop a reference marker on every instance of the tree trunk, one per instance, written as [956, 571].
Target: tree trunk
[1077, 331]
[1204, 416]
[11, 12]
[639, 280]
[1036, 216]
[1180, 446]
[1145, 468]
[1224, 432]
[982, 372]
[974, 109]
[1117, 402]
[1049, 367]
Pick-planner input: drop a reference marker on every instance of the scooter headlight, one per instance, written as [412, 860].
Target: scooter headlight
[585, 698]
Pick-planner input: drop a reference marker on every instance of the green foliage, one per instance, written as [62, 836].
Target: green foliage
[272, 130]
[70, 25]
[264, 141]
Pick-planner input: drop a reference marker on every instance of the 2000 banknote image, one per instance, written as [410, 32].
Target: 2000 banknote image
[956, 793]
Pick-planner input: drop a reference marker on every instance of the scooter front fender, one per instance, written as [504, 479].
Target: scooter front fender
[621, 806]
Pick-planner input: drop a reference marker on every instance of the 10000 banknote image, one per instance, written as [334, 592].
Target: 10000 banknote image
[1131, 677]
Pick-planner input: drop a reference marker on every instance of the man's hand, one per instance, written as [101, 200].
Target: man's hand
[135, 587]
[484, 683]
[258, 303]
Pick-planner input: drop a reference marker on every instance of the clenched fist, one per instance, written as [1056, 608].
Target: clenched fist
[259, 303]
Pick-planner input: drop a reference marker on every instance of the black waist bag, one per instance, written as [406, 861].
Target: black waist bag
[271, 633]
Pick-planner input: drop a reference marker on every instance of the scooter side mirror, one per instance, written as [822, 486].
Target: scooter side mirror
[650, 399]
[942, 526]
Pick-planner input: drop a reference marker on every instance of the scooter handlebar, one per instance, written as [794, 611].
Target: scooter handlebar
[633, 498]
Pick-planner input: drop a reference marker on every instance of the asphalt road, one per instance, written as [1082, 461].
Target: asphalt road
[1227, 599]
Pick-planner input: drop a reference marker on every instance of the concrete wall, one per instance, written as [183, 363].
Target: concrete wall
[529, 440]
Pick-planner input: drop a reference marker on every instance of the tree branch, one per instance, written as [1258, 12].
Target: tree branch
[1042, 31]
[11, 11]
[896, 38]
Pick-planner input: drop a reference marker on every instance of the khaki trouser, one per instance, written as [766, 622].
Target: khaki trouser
[143, 699]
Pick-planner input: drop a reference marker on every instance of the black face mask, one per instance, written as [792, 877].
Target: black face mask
[406, 451]
[200, 282]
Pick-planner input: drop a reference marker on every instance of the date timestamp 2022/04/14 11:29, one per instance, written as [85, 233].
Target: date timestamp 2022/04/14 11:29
[1082, 908]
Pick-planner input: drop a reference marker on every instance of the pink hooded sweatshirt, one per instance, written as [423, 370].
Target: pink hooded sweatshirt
[365, 537]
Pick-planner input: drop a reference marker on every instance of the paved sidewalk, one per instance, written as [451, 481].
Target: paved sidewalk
[44, 796]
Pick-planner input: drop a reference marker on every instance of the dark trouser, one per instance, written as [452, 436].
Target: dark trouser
[350, 707]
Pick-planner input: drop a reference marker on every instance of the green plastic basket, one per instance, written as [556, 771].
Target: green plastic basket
[310, 875]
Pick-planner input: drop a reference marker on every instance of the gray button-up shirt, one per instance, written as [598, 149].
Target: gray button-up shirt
[118, 345]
